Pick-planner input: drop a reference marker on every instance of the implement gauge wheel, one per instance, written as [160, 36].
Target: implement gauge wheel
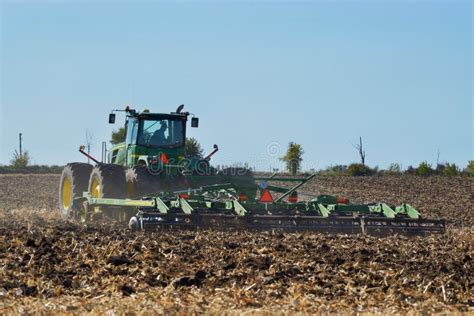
[74, 181]
[108, 181]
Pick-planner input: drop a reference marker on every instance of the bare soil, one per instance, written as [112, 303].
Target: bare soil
[50, 265]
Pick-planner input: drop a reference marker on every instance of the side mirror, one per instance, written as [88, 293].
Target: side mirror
[194, 122]
[111, 118]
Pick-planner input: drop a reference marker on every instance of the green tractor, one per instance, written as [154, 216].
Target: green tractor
[151, 159]
[150, 182]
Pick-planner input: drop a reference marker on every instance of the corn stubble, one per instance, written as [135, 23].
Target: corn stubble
[51, 265]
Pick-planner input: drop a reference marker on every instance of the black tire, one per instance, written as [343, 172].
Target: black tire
[108, 181]
[111, 181]
[77, 174]
[140, 182]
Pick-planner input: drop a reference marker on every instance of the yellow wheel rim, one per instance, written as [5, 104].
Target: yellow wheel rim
[66, 193]
[95, 192]
[95, 188]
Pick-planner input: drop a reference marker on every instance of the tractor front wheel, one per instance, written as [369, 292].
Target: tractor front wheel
[108, 181]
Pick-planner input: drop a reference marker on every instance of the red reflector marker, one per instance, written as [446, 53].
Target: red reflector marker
[164, 159]
[242, 197]
[184, 196]
[266, 197]
[293, 198]
[341, 200]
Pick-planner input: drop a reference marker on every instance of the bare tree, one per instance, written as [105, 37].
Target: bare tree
[360, 148]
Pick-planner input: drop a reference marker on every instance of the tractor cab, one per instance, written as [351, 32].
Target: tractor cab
[151, 138]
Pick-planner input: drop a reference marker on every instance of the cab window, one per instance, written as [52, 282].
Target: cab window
[161, 133]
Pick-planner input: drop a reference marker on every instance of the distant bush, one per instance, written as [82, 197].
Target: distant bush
[424, 169]
[451, 169]
[336, 170]
[440, 169]
[20, 160]
[470, 168]
[358, 169]
[394, 168]
[31, 169]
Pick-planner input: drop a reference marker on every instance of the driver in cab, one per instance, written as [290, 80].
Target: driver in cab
[159, 138]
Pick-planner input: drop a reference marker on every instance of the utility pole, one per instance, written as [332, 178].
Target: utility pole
[20, 138]
[88, 143]
[437, 158]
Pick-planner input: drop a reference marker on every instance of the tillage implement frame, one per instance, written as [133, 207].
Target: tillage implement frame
[219, 207]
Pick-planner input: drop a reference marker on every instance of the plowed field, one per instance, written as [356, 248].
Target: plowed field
[50, 265]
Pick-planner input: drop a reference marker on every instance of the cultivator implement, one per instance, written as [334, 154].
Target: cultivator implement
[220, 206]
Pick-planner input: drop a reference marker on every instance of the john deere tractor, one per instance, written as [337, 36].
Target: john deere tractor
[152, 159]
[149, 181]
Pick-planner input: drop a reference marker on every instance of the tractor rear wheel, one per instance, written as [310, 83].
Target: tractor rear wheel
[140, 182]
[108, 181]
[74, 181]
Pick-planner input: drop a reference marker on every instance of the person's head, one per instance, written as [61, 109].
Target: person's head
[164, 126]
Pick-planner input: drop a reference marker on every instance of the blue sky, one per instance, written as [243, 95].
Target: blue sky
[321, 74]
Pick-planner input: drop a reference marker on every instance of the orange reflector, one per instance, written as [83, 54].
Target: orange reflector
[266, 197]
[242, 197]
[164, 159]
[184, 196]
[341, 200]
[293, 198]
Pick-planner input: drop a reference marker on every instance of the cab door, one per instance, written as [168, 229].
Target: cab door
[131, 142]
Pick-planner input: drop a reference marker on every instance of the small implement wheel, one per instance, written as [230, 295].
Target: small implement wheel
[74, 181]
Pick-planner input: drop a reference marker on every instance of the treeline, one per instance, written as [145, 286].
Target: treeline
[423, 169]
[294, 153]
[31, 169]
[355, 169]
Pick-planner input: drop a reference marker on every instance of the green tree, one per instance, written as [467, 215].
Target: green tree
[20, 161]
[424, 169]
[450, 169]
[193, 148]
[394, 168]
[470, 168]
[293, 158]
[118, 136]
[358, 169]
